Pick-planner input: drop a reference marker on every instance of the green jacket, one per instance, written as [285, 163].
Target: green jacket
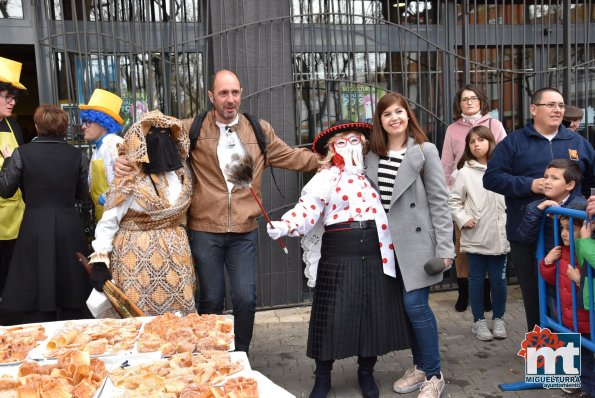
[585, 251]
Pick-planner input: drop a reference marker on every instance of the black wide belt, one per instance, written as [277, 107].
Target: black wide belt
[368, 224]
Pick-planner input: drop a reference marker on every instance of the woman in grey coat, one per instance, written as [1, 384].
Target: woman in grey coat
[410, 179]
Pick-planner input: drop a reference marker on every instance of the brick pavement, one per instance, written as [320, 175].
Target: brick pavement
[472, 368]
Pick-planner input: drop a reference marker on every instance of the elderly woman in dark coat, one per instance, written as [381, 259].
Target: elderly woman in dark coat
[45, 281]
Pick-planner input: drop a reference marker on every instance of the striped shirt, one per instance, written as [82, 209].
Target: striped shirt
[387, 172]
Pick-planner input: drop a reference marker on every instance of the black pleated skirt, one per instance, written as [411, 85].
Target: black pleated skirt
[357, 310]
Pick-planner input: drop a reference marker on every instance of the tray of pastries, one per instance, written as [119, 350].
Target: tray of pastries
[17, 341]
[141, 376]
[171, 334]
[96, 337]
[72, 374]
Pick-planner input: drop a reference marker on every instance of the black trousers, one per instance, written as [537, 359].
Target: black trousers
[525, 265]
[6, 249]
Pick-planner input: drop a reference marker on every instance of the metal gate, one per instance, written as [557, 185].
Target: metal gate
[305, 63]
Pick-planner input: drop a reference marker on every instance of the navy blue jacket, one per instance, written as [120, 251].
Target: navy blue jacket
[529, 227]
[521, 157]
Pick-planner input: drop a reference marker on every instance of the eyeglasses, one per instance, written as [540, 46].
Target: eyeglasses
[469, 99]
[86, 123]
[9, 98]
[342, 142]
[552, 105]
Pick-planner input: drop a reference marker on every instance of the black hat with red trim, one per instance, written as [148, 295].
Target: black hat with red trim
[340, 126]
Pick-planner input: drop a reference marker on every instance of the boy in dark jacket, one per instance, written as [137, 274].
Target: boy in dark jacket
[561, 177]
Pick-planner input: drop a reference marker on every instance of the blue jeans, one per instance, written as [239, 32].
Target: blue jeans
[213, 252]
[423, 335]
[587, 371]
[495, 266]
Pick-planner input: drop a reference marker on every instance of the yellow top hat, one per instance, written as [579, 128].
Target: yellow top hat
[10, 72]
[106, 102]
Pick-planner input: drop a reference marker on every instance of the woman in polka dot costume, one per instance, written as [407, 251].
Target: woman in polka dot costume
[357, 307]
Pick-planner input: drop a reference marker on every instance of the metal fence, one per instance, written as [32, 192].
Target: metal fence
[305, 63]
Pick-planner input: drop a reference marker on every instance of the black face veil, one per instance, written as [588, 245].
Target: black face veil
[162, 152]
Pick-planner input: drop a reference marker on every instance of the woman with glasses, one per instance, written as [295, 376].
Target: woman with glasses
[470, 109]
[11, 209]
[357, 307]
[45, 282]
[101, 122]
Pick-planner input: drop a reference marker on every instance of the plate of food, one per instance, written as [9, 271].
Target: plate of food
[138, 375]
[171, 334]
[98, 337]
[17, 341]
[74, 373]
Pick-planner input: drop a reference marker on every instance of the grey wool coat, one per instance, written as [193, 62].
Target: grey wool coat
[419, 218]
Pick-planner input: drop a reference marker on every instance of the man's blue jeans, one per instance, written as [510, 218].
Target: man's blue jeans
[424, 336]
[236, 252]
[495, 266]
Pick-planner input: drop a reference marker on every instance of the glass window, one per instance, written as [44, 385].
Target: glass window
[336, 11]
[127, 10]
[12, 9]
[144, 81]
[409, 12]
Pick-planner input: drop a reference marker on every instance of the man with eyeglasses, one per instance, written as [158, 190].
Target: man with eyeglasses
[11, 210]
[100, 122]
[516, 171]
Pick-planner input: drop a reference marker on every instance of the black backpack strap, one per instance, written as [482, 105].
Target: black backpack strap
[262, 144]
[260, 138]
[195, 130]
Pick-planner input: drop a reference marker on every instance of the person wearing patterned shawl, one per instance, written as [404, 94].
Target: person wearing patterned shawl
[140, 240]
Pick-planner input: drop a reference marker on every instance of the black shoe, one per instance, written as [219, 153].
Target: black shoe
[322, 385]
[463, 300]
[367, 384]
[487, 297]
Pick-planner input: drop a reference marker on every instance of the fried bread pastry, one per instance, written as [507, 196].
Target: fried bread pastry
[74, 375]
[17, 341]
[109, 336]
[175, 374]
[171, 334]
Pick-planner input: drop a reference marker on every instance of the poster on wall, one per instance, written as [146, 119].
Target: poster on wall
[133, 107]
[358, 101]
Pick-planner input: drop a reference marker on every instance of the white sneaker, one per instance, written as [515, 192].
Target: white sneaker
[410, 381]
[480, 329]
[499, 328]
[432, 388]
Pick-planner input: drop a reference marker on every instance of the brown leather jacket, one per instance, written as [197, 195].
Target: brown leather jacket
[213, 209]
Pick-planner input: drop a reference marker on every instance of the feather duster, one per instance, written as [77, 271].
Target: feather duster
[239, 172]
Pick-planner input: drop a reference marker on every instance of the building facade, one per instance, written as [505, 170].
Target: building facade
[303, 64]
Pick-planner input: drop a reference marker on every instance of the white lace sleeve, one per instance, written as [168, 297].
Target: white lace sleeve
[312, 240]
